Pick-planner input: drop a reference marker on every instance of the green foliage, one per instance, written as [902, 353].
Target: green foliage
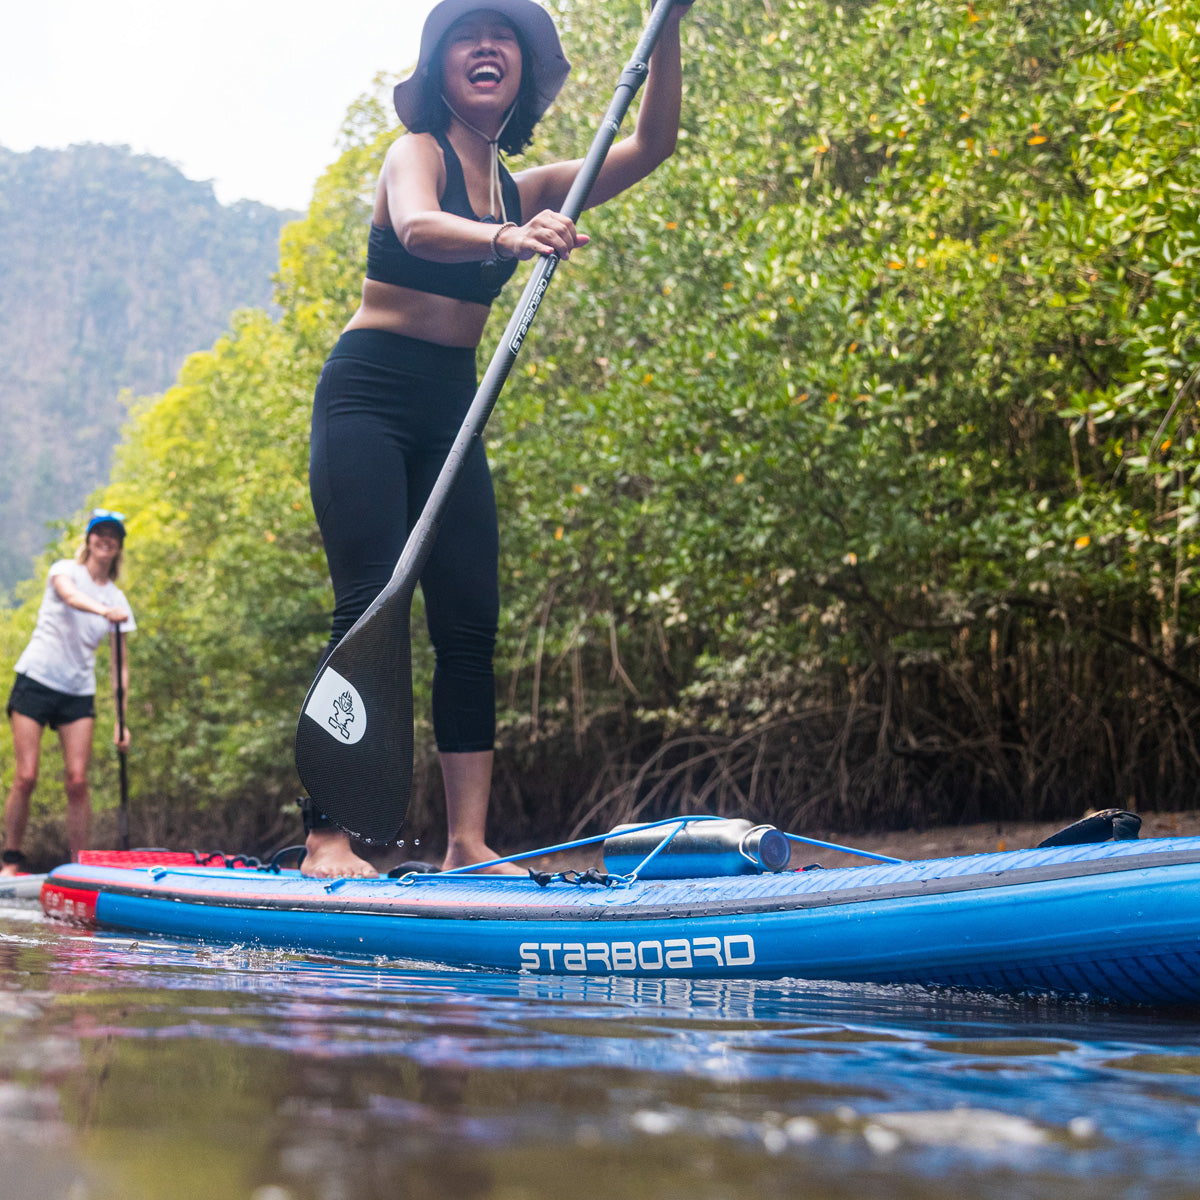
[834, 436]
[230, 588]
[847, 477]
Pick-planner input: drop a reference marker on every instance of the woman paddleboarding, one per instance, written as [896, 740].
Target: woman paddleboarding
[56, 680]
[448, 228]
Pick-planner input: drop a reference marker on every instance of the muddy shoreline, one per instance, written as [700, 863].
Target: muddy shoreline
[944, 841]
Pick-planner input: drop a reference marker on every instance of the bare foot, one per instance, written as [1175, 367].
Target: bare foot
[468, 856]
[329, 857]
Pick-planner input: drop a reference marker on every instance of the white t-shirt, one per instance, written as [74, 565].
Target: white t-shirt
[62, 652]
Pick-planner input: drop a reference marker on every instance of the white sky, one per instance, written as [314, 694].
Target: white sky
[247, 93]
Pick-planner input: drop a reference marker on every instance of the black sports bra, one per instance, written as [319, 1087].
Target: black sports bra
[389, 262]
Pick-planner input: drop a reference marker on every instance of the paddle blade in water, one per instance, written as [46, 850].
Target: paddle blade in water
[354, 740]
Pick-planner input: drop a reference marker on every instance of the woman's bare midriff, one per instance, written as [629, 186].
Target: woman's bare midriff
[431, 318]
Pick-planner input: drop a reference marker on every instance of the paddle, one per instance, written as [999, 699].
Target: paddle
[354, 738]
[119, 688]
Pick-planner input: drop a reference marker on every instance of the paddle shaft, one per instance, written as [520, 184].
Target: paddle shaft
[420, 540]
[119, 690]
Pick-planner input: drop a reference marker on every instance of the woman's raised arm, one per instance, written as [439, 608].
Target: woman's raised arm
[633, 158]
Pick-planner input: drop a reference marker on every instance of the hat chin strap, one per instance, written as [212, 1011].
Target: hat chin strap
[495, 191]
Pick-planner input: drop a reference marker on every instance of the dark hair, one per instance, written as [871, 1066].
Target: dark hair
[433, 114]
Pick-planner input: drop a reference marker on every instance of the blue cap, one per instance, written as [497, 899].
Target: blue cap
[105, 516]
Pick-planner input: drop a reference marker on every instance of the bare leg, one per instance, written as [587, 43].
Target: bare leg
[329, 856]
[76, 741]
[27, 744]
[468, 783]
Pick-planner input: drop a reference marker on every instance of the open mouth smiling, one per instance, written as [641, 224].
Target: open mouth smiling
[487, 74]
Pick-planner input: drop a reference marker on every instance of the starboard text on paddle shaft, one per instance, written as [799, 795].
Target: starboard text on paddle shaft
[535, 302]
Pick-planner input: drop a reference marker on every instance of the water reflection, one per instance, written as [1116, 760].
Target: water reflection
[143, 1069]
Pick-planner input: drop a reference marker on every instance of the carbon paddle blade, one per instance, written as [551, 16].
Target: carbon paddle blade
[354, 739]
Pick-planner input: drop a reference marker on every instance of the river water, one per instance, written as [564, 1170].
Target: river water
[147, 1070]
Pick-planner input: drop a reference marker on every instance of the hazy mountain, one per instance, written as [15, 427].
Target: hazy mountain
[113, 268]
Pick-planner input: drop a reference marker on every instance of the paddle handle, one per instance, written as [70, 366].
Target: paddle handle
[420, 541]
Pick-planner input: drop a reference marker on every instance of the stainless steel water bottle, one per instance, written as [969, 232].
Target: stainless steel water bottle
[700, 848]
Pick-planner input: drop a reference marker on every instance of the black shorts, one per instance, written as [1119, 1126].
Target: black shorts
[46, 706]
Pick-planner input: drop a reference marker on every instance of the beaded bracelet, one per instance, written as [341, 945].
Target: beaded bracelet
[496, 256]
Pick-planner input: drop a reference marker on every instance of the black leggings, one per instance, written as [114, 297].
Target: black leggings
[386, 411]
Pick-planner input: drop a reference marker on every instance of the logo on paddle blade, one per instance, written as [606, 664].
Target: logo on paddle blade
[337, 707]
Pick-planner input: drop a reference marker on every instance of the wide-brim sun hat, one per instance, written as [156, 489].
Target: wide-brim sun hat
[536, 27]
